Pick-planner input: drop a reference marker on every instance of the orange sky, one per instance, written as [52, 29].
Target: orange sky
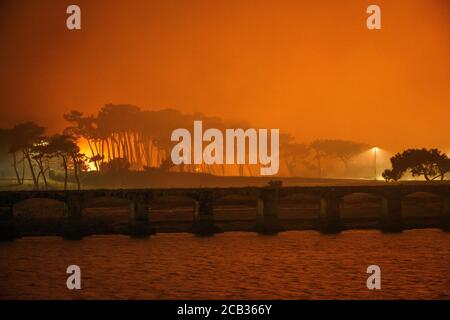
[308, 67]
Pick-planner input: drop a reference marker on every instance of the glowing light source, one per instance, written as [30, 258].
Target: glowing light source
[84, 148]
[375, 151]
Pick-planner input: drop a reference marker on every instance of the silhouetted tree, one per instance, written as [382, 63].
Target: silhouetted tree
[429, 163]
[63, 146]
[24, 137]
[84, 127]
[319, 153]
[292, 152]
[40, 153]
[340, 149]
[79, 161]
[6, 136]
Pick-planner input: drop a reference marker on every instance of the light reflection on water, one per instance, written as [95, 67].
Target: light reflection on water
[235, 265]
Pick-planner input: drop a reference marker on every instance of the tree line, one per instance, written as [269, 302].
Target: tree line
[122, 136]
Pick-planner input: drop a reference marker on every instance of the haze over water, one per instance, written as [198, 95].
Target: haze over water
[236, 265]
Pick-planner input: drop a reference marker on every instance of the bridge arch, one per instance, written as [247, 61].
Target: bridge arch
[35, 214]
[303, 205]
[361, 208]
[235, 211]
[24, 196]
[422, 207]
[172, 211]
[104, 213]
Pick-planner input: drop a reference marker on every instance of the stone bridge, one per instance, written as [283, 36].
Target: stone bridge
[267, 199]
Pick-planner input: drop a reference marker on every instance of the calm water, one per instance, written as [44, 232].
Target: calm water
[291, 265]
